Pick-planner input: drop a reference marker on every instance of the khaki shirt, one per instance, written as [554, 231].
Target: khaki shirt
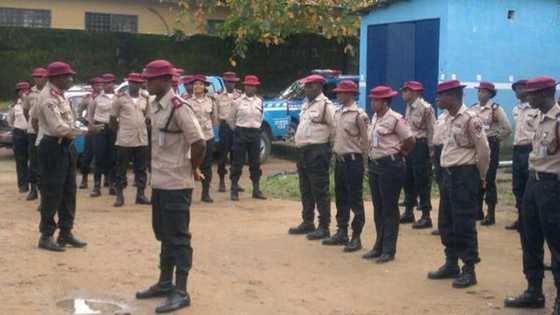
[171, 162]
[225, 103]
[465, 142]
[439, 129]
[545, 156]
[86, 104]
[206, 112]
[386, 134]
[102, 107]
[420, 117]
[246, 112]
[525, 119]
[316, 124]
[131, 114]
[494, 119]
[16, 117]
[55, 114]
[351, 134]
[29, 101]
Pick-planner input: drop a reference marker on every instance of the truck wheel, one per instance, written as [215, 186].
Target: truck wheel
[266, 146]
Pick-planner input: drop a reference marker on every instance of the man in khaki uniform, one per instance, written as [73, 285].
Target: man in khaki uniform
[57, 159]
[350, 146]
[497, 128]
[128, 116]
[18, 122]
[418, 175]
[178, 149]
[313, 137]
[206, 112]
[464, 161]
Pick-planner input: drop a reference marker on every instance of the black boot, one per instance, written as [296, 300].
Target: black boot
[234, 196]
[205, 197]
[67, 238]
[84, 183]
[533, 297]
[257, 193]
[24, 188]
[319, 234]
[96, 187]
[513, 226]
[141, 198]
[32, 193]
[425, 222]
[120, 199]
[556, 309]
[354, 245]
[490, 217]
[222, 186]
[449, 270]
[48, 243]
[179, 297]
[466, 279]
[303, 228]
[372, 254]
[162, 288]
[407, 216]
[340, 238]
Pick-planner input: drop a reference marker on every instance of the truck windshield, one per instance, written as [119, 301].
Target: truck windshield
[293, 92]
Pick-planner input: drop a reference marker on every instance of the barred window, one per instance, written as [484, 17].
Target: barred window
[104, 22]
[25, 17]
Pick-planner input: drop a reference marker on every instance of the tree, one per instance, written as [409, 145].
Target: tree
[272, 21]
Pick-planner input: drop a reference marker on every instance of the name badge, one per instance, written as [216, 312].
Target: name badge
[375, 140]
[161, 138]
[543, 151]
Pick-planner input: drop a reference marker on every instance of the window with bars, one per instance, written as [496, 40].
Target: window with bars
[25, 17]
[105, 22]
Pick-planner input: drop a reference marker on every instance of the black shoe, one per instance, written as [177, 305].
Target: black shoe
[424, 223]
[141, 198]
[222, 185]
[488, 220]
[175, 301]
[67, 238]
[240, 189]
[339, 239]
[319, 234]
[449, 270]
[33, 195]
[513, 226]
[206, 198]
[354, 245]
[120, 200]
[466, 279]
[531, 298]
[159, 289]
[372, 254]
[234, 195]
[96, 192]
[48, 243]
[303, 228]
[23, 189]
[84, 183]
[259, 195]
[385, 258]
[435, 232]
[407, 217]
[556, 309]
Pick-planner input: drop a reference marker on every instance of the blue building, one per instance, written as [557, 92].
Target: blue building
[500, 41]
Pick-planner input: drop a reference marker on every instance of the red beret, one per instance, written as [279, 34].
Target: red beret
[158, 68]
[108, 77]
[39, 73]
[540, 83]
[96, 80]
[382, 92]
[179, 71]
[518, 83]
[483, 85]
[135, 77]
[449, 85]
[59, 68]
[22, 85]
[230, 77]
[413, 85]
[251, 80]
[314, 78]
[346, 86]
[200, 78]
[188, 79]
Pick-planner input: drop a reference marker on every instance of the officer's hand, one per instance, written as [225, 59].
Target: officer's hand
[484, 184]
[198, 176]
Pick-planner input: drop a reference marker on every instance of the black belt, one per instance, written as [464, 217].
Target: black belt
[423, 139]
[538, 176]
[523, 147]
[20, 130]
[452, 169]
[349, 157]
[59, 140]
[310, 147]
[392, 157]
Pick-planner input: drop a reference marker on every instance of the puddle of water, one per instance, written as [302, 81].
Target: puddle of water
[81, 306]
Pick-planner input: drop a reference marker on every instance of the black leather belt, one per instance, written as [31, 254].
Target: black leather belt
[59, 140]
[314, 146]
[392, 157]
[349, 157]
[538, 176]
[452, 169]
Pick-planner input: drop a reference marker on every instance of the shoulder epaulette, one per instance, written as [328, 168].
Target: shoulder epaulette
[495, 106]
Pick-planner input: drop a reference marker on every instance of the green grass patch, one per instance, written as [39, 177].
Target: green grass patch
[4, 104]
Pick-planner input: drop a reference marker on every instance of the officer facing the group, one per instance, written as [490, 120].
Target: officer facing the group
[464, 162]
[19, 124]
[541, 202]
[525, 122]
[177, 151]
[350, 146]
[418, 174]
[390, 139]
[313, 136]
[497, 128]
[225, 101]
[40, 78]
[246, 119]
[128, 117]
[57, 159]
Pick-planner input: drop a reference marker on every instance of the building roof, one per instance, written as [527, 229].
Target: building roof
[374, 4]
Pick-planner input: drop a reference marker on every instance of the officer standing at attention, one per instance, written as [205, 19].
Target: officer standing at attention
[390, 139]
[177, 151]
[19, 124]
[497, 128]
[464, 161]
[541, 202]
[246, 118]
[313, 136]
[418, 174]
[40, 77]
[206, 112]
[225, 101]
[437, 146]
[524, 117]
[57, 160]
[104, 139]
[128, 117]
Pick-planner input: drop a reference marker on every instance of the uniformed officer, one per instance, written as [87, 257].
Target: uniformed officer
[128, 115]
[104, 138]
[313, 136]
[40, 78]
[57, 159]
[188, 83]
[541, 202]
[19, 124]
[178, 151]
[497, 128]
[464, 160]
[245, 119]
[390, 139]
[437, 146]
[225, 101]
[418, 175]
[350, 146]
[206, 112]
[525, 122]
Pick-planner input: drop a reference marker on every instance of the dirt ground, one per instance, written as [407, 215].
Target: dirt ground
[244, 262]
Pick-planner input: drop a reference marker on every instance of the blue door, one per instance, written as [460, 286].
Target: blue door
[400, 52]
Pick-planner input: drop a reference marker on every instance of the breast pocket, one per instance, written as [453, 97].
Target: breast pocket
[386, 128]
[460, 136]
